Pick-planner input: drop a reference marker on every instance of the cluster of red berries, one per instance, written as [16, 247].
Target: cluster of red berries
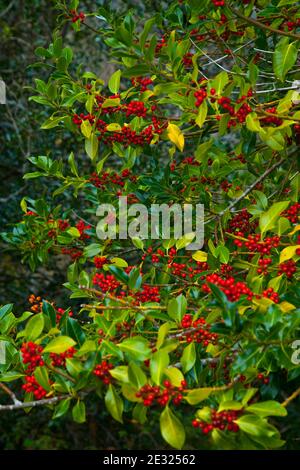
[290, 25]
[31, 355]
[102, 372]
[200, 96]
[81, 227]
[272, 119]
[100, 261]
[111, 109]
[226, 268]
[136, 108]
[101, 181]
[75, 16]
[125, 135]
[218, 3]
[128, 136]
[197, 36]
[155, 257]
[288, 268]
[241, 222]
[147, 294]
[60, 312]
[160, 44]
[74, 253]
[106, 282]
[256, 245]
[200, 331]
[271, 294]
[222, 420]
[292, 213]
[32, 386]
[142, 82]
[152, 395]
[232, 289]
[30, 214]
[59, 360]
[59, 225]
[263, 378]
[263, 265]
[78, 118]
[190, 161]
[239, 115]
[187, 60]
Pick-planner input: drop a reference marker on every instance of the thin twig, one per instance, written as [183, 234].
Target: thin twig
[262, 25]
[10, 393]
[250, 188]
[292, 397]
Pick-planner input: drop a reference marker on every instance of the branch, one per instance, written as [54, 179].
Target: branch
[33, 404]
[292, 397]
[250, 188]
[262, 25]
[10, 393]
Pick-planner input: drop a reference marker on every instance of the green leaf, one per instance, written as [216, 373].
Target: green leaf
[219, 83]
[114, 403]
[91, 146]
[10, 376]
[284, 57]
[52, 122]
[78, 412]
[198, 394]
[252, 122]
[136, 375]
[162, 332]
[268, 219]
[267, 408]
[88, 346]
[120, 373]
[255, 426]
[172, 429]
[5, 310]
[177, 308]
[62, 408]
[42, 377]
[230, 405]
[59, 345]
[34, 327]
[135, 279]
[202, 113]
[223, 254]
[136, 348]
[188, 357]
[174, 375]
[114, 82]
[74, 330]
[159, 361]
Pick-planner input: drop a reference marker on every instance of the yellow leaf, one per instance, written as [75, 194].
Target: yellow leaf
[288, 253]
[243, 308]
[176, 136]
[200, 256]
[86, 128]
[114, 127]
[286, 306]
[295, 229]
[262, 304]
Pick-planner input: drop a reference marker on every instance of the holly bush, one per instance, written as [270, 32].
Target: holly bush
[203, 107]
